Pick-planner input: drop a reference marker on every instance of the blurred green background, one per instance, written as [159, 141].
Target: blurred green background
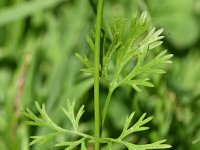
[38, 40]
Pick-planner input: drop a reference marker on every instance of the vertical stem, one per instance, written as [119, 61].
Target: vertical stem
[96, 72]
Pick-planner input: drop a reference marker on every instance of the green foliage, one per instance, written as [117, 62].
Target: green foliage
[38, 39]
[45, 121]
[136, 45]
[136, 127]
[70, 114]
[132, 48]
[82, 139]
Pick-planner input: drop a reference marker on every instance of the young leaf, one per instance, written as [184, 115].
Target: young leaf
[136, 45]
[89, 67]
[71, 116]
[139, 82]
[90, 42]
[138, 126]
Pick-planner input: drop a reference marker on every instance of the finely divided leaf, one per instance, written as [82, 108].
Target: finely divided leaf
[139, 82]
[155, 145]
[138, 126]
[45, 121]
[90, 42]
[69, 112]
[89, 66]
[44, 138]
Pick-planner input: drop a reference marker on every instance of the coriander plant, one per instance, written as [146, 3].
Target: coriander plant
[122, 61]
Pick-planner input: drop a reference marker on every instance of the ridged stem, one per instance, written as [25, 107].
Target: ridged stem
[97, 115]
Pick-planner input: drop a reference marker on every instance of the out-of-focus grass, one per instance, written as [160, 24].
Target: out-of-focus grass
[38, 40]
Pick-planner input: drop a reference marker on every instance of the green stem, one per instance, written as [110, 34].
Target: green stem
[105, 109]
[96, 72]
